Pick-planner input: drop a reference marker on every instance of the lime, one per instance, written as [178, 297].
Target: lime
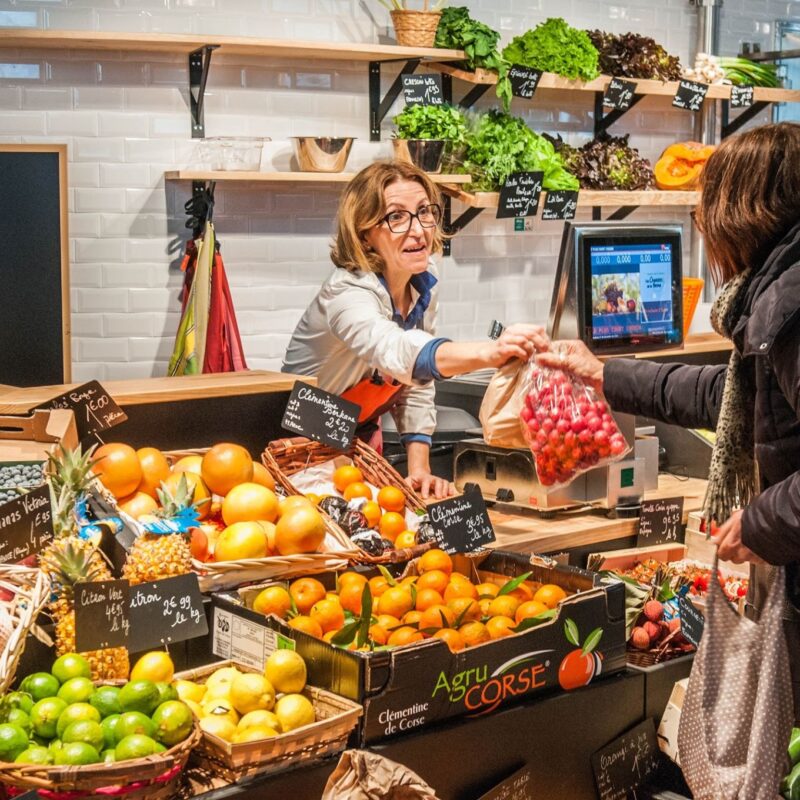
[13, 741]
[40, 740]
[44, 716]
[139, 696]
[106, 700]
[132, 722]
[166, 691]
[160, 748]
[108, 756]
[76, 753]
[18, 700]
[40, 685]
[135, 746]
[85, 731]
[35, 755]
[77, 712]
[109, 726]
[174, 722]
[76, 690]
[71, 665]
[55, 746]
[18, 717]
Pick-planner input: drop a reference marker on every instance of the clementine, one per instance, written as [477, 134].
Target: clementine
[396, 601]
[404, 635]
[405, 539]
[388, 621]
[391, 525]
[138, 504]
[248, 502]
[273, 600]
[437, 617]
[305, 592]
[500, 627]
[487, 590]
[503, 606]
[191, 463]
[435, 559]
[435, 579]
[345, 475]
[460, 588]
[351, 577]
[427, 598]
[530, 608]
[372, 511]
[155, 469]
[328, 613]
[262, 477]
[550, 594]
[118, 467]
[523, 593]
[453, 639]
[465, 608]
[350, 597]
[357, 489]
[378, 585]
[412, 617]
[390, 498]
[474, 633]
[226, 465]
[307, 625]
[300, 530]
[378, 634]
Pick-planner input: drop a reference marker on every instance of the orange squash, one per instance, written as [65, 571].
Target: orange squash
[693, 152]
[676, 173]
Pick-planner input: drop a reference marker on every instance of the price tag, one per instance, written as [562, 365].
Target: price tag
[660, 522]
[102, 615]
[26, 525]
[519, 196]
[94, 408]
[461, 524]
[692, 621]
[518, 786]
[423, 90]
[524, 80]
[741, 96]
[321, 416]
[166, 611]
[242, 640]
[627, 762]
[690, 95]
[619, 94]
[560, 204]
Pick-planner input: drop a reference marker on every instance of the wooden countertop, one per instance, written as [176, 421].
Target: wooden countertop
[17, 400]
[527, 532]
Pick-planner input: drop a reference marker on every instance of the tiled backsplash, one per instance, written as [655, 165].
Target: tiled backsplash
[125, 120]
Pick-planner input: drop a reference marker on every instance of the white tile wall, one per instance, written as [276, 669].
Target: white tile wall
[124, 118]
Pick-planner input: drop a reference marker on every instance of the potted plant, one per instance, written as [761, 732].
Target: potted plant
[425, 134]
[414, 28]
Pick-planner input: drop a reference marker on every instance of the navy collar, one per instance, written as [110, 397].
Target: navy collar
[423, 283]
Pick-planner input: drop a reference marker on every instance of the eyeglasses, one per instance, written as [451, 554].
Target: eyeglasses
[400, 221]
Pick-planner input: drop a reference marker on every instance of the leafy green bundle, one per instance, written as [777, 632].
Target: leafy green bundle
[555, 46]
[608, 162]
[432, 122]
[629, 55]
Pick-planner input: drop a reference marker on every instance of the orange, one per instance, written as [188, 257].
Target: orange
[357, 489]
[550, 594]
[391, 525]
[390, 498]
[500, 626]
[523, 593]
[349, 577]
[484, 604]
[378, 585]
[269, 529]
[306, 624]
[118, 467]
[503, 606]
[305, 592]
[241, 540]
[372, 511]
[138, 504]
[530, 608]
[412, 617]
[487, 590]
[291, 502]
[453, 639]
[329, 614]
[409, 580]
[313, 498]
[437, 617]
[396, 601]
[248, 502]
[200, 495]
[188, 464]
[262, 477]
[226, 465]
[155, 469]
[427, 598]
[435, 559]
[405, 539]
[474, 633]
[378, 634]
[350, 597]
[299, 530]
[404, 635]
[273, 600]
[344, 476]
[459, 588]
[435, 579]
[465, 608]
[388, 621]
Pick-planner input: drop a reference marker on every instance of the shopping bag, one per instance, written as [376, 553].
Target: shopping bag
[500, 409]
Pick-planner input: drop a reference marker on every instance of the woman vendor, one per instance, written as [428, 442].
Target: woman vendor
[369, 334]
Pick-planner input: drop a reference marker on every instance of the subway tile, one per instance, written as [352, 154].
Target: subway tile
[148, 151]
[88, 251]
[27, 123]
[85, 372]
[83, 174]
[99, 149]
[141, 276]
[152, 99]
[85, 275]
[123, 176]
[87, 325]
[72, 123]
[101, 98]
[142, 349]
[46, 99]
[98, 300]
[70, 19]
[101, 349]
[84, 226]
[130, 370]
[142, 325]
[99, 200]
[160, 300]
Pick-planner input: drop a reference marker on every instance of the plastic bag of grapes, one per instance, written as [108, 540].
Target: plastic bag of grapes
[568, 426]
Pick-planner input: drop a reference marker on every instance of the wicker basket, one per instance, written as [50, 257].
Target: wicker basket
[30, 588]
[336, 718]
[285, 457]
[415, 28]
[665, 651]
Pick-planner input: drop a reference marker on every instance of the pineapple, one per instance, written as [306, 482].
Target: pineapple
[70, 469]
[67, 561]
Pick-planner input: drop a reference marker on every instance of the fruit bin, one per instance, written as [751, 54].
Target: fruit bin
[336, 718]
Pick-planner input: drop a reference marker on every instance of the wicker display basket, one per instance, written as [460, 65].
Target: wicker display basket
[666, 650]
[286, 457]
[336, 718]
[415, 28]
[30, 588]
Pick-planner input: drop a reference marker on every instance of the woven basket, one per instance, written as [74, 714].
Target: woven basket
[415, 28]
[336, 718]
[285, 457]
[30, 588]
[665, 651]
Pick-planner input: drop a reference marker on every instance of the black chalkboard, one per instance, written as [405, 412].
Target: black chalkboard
[518, 786]
[627, 762]
[101, 615]
[660, 522]
[423, 90]
[34, 340]
[692, 621]
[619, 94]
[519, 195]
[524, 80]
[690, 95]
[461, 524]
[95, 410]
[741, 96]
[26, 525]
[560, 204]
[321, 416]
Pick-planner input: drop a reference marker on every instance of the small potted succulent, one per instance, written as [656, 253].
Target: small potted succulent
[426, 134]
[414, 28]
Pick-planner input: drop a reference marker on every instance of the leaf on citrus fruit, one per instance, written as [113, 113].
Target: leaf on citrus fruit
[366, 616]
[571, 632]
[388, 575]
[532, 622]
[509, 586]
[592, 640]
[346, 635]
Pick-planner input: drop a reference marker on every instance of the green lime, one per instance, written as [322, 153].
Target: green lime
[160, 748]
[77, 712]
[76, 753]
[134, 722]
[18, 717]
[71, 665]
[173, 721]
[35, 755]
[85, 731]
[106, 700]
[109, 725]
[108, 756]
[76, 690]
[13, 741]
[18, 700]
[135, 746]
[139, 696]
[166, 691]
[40, 740]
[40, 685]
[55, 746]
[44, 716]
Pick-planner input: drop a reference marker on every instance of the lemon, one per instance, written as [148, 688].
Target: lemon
[260, 717]
[254, 734]
[251, 692]
[219, 707]
[195, 708]
[286, 671]
[294, 711]
[155, 666]
[219, 726]
[189, 690]
[218, 684]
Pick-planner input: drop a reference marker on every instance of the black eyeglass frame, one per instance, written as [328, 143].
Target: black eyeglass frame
[412, 216]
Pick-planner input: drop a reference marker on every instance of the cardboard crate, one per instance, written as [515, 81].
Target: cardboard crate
[408, 688]
[35, 436]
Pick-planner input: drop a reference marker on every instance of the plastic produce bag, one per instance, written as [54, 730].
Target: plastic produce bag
[568, 426]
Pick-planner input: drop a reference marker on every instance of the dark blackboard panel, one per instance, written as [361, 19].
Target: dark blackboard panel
[32, 340]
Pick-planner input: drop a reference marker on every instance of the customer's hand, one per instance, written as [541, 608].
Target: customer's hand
[516, 341]
[429, 485]
[575, 357]
[728, 539]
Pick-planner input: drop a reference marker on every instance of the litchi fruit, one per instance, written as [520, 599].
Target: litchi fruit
[640, 639]
[653, 610]
[653, 630]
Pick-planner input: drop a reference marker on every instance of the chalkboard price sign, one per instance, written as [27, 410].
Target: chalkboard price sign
[94, 408]
[627, 762]
[519, 196]
[166, 611]
[518, 786]
[461, 524]
[741, 96]
[102, 617]
[321, 416]
[692, 621]
[619, 94]
[660, 522]
[690, 95]
[524, 80]
[26, 525]
[560, 204]
[423, 90]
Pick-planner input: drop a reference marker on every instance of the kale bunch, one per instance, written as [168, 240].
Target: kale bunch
[630, 55]
[608, 162]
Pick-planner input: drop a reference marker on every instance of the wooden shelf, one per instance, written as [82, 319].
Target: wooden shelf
[289, 177]
[694, 344]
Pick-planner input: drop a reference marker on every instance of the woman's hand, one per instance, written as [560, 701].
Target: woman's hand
[516, 341]
[575, 357]
[429, 485]
[728, 539]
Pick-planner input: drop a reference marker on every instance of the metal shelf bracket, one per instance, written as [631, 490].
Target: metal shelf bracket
[730, 127]
[453, 226]
[603, 121]
[199, 64]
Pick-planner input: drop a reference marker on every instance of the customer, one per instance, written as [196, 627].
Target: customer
[749, 216]
[369, 334]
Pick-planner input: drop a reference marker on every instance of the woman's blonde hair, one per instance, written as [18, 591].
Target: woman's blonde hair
[362, 207]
